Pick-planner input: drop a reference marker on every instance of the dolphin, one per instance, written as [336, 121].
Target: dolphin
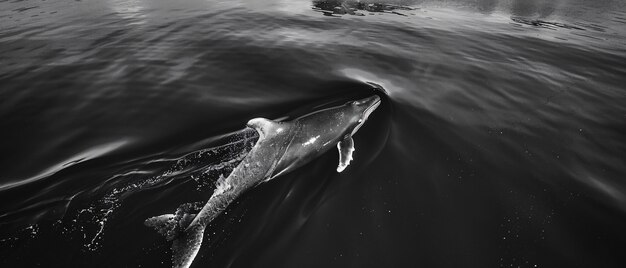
[281, 148]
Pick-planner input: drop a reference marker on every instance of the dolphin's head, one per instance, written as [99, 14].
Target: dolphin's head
[322, 130]
[360, 110]
[339, 121]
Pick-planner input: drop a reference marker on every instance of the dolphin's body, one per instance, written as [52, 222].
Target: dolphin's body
[281, 147]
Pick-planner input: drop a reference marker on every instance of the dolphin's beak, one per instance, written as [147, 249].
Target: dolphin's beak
[371, 103]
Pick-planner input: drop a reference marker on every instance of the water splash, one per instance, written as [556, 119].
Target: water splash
[202, 166]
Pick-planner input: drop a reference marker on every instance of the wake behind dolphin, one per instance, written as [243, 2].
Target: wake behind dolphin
[281, 148]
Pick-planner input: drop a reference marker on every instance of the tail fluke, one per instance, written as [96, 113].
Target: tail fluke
[170, 225]
[186, 230]
[186, 239]
[186, 246]
[164, 224]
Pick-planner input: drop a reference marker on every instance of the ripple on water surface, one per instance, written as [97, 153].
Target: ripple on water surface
[502, 133]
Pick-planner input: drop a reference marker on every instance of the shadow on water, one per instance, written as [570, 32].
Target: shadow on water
[522, 8]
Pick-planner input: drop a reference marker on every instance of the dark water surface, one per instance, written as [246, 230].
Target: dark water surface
[501, 142]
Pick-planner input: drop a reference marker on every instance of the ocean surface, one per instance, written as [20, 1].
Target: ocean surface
[500, 141]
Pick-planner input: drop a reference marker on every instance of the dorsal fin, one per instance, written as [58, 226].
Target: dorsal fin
[264, 126]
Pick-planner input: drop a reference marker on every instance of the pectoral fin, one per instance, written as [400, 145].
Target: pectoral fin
[346, 147]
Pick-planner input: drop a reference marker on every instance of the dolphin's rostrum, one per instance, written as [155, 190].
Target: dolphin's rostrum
[281, 147]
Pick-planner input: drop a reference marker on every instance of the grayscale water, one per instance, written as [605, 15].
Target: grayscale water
[500, 144]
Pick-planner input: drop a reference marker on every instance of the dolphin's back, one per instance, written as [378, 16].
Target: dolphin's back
[316, 134]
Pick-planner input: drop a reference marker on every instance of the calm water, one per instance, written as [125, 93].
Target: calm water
[501, 141]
